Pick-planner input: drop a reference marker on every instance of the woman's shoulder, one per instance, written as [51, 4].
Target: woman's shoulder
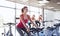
[21, 15]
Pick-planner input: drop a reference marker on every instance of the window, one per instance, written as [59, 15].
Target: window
[7, 4]
[8, 14]
[35, 9]
[48, 16]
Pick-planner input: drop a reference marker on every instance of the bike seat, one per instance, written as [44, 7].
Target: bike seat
[51, 28]
[10, 23]
[57, 25]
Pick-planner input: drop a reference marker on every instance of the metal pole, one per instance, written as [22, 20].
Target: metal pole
[15, 17]
[43, 16]
[4, 32]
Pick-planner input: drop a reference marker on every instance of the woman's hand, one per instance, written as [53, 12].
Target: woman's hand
[28, 30]
[36, 25]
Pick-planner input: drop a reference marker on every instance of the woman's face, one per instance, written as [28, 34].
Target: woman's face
[25, 10]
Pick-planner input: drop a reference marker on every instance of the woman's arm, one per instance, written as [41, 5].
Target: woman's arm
[21, 18]
[40, 19]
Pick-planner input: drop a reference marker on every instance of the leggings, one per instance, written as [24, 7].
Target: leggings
[21, 32]
[37, 22]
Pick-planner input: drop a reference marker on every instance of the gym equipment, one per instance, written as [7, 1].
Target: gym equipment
[48, 21]
[17, 18]
[36, 30]
[57, 28]
[49, 30]
[53, 31]
[32, 31]
[57, 19]
[4, 32]
[9, 33]
[39, 30]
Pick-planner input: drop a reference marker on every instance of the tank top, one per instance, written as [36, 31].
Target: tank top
[20, 24]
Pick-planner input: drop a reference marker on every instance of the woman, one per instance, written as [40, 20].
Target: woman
[24, 18]
[40, 18]
[38, 22]
[33, 19]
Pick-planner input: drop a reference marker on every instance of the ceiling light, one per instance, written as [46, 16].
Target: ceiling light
[44, 1]
[42, 4]
[24, 0]
[58, 2]
[50, 7]
[56, 9]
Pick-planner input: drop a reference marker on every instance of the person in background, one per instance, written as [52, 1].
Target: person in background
[38, 21]
[40, 18]
[33, 19]
[24, 18]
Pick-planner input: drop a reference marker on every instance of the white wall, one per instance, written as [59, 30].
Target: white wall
[48, 15]
[51, 15]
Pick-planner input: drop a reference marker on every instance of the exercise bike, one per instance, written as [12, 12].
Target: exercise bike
[49, 29]
[36, 31]
[9, 33]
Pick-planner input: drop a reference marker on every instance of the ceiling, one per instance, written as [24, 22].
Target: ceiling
[52, 3]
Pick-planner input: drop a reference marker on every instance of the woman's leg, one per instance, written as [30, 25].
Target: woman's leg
[28, 33]
[37, 22]
[20, 31]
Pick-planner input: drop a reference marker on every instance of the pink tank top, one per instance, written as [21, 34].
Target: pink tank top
[20, 25]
